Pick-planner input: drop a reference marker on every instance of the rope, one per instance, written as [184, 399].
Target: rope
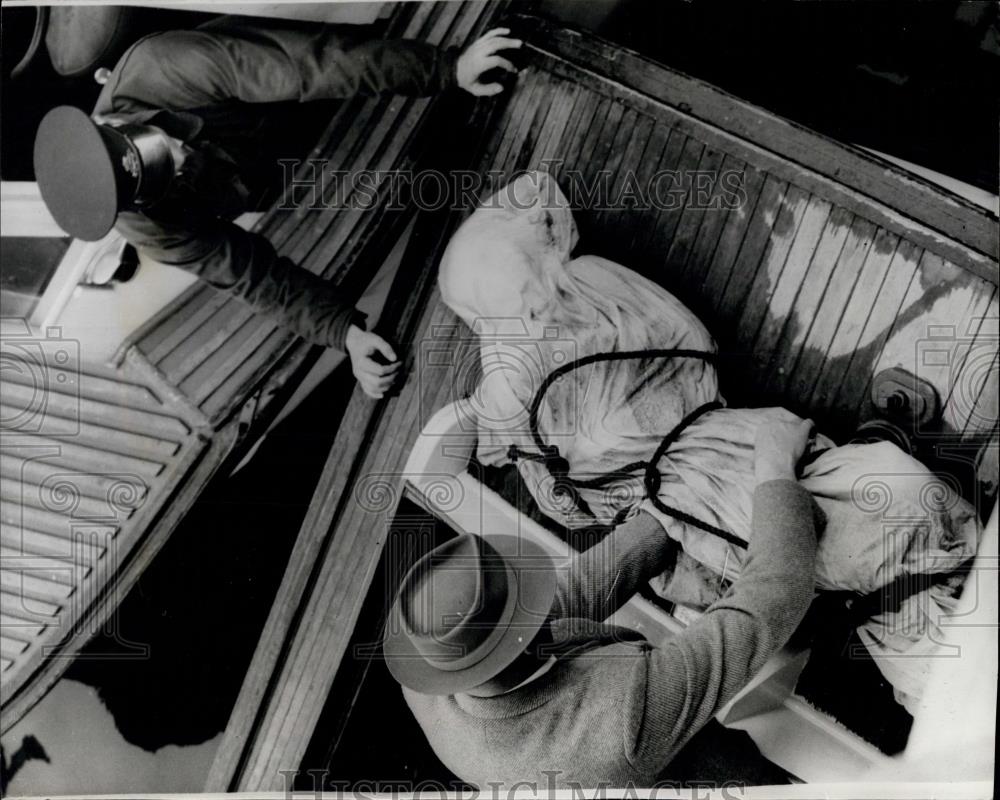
[559, 466]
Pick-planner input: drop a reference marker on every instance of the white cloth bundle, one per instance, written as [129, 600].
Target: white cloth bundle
[508, 274]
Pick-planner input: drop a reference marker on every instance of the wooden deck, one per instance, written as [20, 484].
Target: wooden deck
[835, 266]
[91, 460]
[185, 391]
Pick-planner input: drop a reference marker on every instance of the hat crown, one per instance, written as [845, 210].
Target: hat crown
[466, 611]
[453, 603]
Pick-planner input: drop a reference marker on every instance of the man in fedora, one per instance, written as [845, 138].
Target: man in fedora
[513, 676]
[174, 151]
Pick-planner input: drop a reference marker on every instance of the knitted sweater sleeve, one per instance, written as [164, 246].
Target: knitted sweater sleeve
[680, 687]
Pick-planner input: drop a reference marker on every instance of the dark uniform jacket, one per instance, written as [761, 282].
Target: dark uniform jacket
[200, 86]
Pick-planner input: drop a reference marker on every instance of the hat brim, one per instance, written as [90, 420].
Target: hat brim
[75, 174]
[536, 589]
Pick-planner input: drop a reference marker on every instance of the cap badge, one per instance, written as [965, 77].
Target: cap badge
[131, 164]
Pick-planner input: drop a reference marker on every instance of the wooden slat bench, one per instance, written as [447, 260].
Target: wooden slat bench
[186, 388]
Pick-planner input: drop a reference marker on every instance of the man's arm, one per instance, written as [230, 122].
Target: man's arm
[690, 679]
[597, 582]
[246, 265]
[269, 62]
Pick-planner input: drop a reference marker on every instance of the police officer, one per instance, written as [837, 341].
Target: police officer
[173, 151]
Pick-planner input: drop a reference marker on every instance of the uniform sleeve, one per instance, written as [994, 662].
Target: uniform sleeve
[597, 582]
[263, 63]
[245, 265]
[688, 681]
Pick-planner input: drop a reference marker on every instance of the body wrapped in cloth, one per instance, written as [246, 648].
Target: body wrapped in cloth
[508, 274]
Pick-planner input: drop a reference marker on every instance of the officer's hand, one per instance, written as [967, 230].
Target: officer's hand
[779, 445]
[480, 57]
[373, 361]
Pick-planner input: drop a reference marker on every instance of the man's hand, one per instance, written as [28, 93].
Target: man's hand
[373, 361]
[480, 57]
[779, 446]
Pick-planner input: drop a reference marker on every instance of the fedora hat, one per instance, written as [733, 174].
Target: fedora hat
[87, 173]
[466, 611]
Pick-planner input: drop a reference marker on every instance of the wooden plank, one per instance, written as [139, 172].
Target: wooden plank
[167, 429]
[954, 217]
[151, 333]
[104, 390]
[100, 486]
[330, 496]
[982, 418]
[350, 128]
[59, 570]
[523, 110]
[333, 144]
[854, 387]
[115, 440]
[327, 232]
[587, 108]
[16, 628]
[751, 282]
[224, 325]
[719, 269]
[351, 124]
[32, 586]
[674, 143]
[962, 411]
[646, 167]
[61, 497]
[796, 245]
[847, 336]
[200, 383]
[628, 204]
[84, 549]
[92, 459]
[251, 372]
[770, 212]
[136, 546]
[929, 333]
[562, 105]
[399, 114]
[599, 146]
[693, 216]
[676, 200]
[50, 522]
[795, 302]
[723, 202]
[626, 147]
[773, 162]
[323, 641]
[207, 301]
[522, 153]
[28, 608]
[11, 647]
[830, 309]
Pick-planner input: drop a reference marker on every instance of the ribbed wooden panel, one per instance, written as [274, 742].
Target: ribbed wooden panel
[89, 456]
[215, 349]
[812, 297]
